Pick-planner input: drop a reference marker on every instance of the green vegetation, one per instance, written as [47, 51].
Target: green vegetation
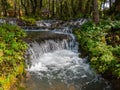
[102, 42]
[12, 50]
[60, 9]
[28, 20]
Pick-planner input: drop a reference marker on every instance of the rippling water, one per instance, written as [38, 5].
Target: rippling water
[55, 65]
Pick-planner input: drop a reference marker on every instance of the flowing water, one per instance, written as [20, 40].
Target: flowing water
[54, 64]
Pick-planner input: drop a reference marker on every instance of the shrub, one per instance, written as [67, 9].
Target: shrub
[29, 20]
[12, 50]
[103, 57]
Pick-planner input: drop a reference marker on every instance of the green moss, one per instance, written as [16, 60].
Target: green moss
[12, 49]
[29, 20]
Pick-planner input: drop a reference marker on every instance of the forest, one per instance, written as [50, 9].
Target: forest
[32, 32]
[60, 9]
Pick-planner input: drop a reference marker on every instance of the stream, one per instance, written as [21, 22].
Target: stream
[53, 61]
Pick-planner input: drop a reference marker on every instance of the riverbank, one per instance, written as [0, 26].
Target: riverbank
[12, 50]
[102, 44]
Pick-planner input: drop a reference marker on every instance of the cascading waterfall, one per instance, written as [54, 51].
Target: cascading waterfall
[36, 50]
[55, 65]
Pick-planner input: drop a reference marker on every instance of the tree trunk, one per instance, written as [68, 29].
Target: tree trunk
[53, 13]
[24, 6]
[15, 8]
[80, 6]
[49, 9]
[95, 12]
[117, 6]
[88, 8]
[4, 7]
[61, 8]
[72, 7]
[40, 6]
[34, 6]
[110, 4]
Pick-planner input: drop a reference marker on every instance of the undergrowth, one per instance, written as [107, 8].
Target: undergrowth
[102, 42]
[12, 49]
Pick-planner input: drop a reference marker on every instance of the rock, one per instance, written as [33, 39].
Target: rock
[28, 75]
[45, 35]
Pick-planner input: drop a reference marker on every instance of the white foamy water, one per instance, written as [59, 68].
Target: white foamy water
[63, 60]
[50, 56]
[55, 64]
[53, 61]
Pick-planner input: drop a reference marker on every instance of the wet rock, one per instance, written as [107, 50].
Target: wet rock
[28, 75]
[45, 35]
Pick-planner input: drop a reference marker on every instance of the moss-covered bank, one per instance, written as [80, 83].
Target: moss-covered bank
[12, 49]
[102, 43]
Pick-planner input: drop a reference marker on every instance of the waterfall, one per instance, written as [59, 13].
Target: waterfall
[55, 62]
[59, 60]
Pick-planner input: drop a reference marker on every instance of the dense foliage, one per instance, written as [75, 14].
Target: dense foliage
[102, 42]
[12, 50]
[60, 9]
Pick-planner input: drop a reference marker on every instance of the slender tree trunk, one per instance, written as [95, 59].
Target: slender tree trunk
[80, 6]
[25, 7]
[15, 8]
[88, 7]
[72, 7]
[4, 7]
[61, 8]
[110, 4]
[40, 6]
[53, 7]
[117, 6]
[49, 10]
[95, 12]
[34, 6]
[56, 7]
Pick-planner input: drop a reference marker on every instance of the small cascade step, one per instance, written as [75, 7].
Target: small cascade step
[52, 61]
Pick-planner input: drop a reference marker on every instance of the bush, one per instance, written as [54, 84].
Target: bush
[28, 20]
[103, 57]
[12, 50]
